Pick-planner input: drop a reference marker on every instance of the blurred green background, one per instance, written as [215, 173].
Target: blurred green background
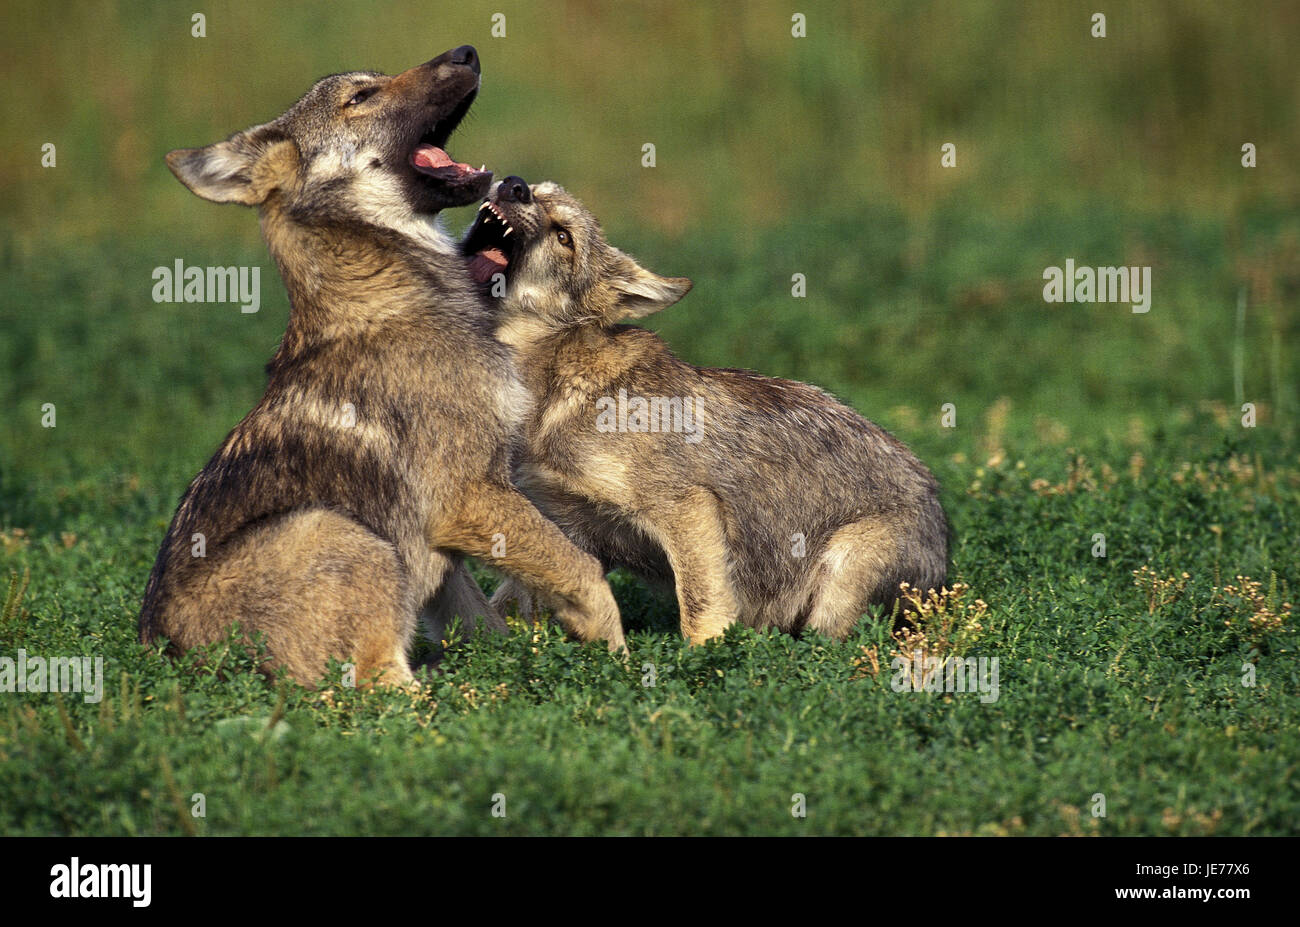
[775, 155]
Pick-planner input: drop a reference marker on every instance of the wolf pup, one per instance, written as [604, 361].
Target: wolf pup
[765, 500]
[342, 503]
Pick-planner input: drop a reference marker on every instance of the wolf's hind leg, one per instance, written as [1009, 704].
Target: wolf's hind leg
[316, 584]
[859, 565]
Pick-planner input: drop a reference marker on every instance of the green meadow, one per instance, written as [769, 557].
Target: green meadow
[1124, 487]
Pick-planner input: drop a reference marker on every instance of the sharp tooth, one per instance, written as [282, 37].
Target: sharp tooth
[507, 232]
[482, 168]
[485, 205]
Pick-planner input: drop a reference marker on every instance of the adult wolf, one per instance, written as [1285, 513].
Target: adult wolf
[765, 500]
[342, 503]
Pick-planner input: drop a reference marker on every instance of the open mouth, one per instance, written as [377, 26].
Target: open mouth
[490, 243]
[430, 156]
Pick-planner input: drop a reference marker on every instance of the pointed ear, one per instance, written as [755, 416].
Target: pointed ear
[245, 168]
[640, 293]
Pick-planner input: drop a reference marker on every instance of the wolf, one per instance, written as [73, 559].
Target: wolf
[764, 501]
[343, 503]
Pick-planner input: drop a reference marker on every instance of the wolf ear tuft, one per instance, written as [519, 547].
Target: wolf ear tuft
[641, 293]
[244, 169]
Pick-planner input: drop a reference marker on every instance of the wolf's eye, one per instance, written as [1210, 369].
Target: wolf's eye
[564, 238]
[362, 95]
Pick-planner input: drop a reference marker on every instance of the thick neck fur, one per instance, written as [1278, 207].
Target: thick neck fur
[347, 280]
[585, 358]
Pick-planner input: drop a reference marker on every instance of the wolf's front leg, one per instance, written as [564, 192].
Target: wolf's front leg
[501, 527]
[512, 590]
[459, 598]
[691, 530]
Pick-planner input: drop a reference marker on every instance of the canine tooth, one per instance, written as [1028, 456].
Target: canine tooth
[507, 232]
[485, 205]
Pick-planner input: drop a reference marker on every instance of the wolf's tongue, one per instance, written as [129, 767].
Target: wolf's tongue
[486, 263]
[430, 158]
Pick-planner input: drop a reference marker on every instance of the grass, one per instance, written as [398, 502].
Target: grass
[1127, 675]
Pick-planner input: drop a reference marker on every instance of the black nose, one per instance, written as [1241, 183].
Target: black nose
[514, 190]
[466, 55]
